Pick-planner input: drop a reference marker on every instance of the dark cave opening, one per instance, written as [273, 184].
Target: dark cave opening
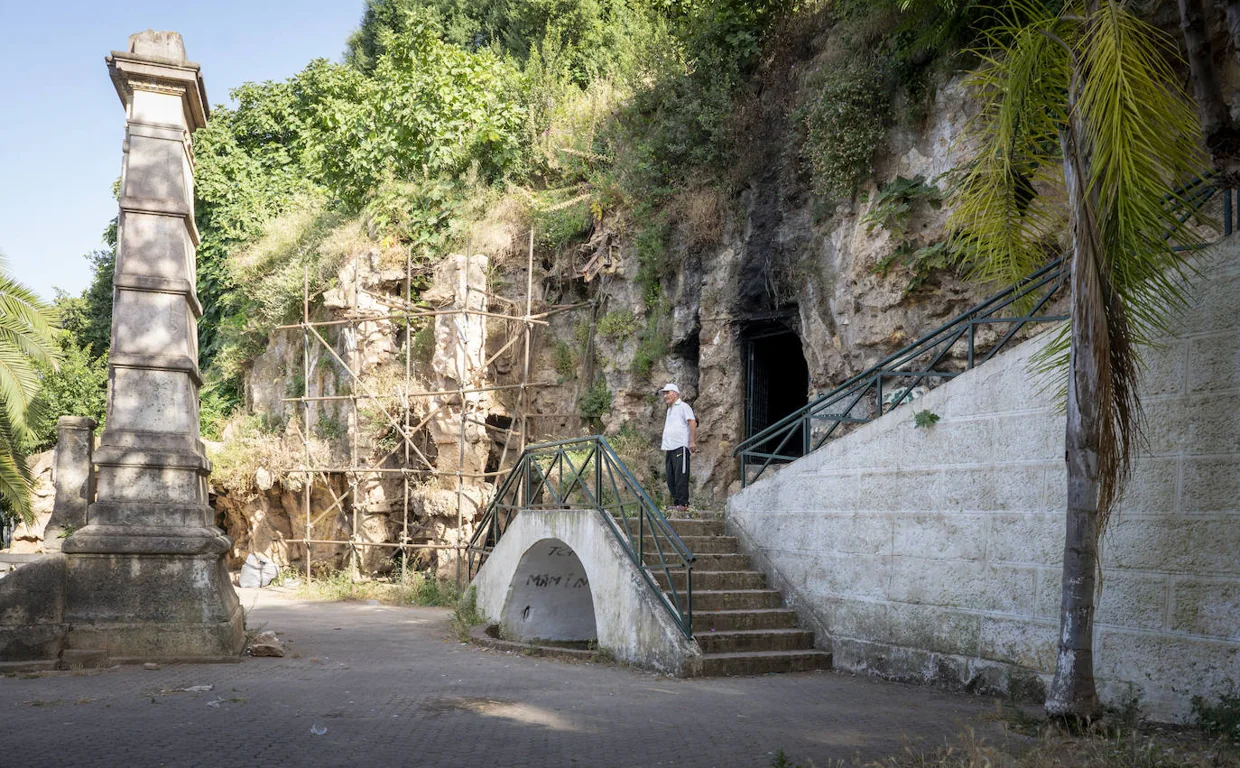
[776, 382]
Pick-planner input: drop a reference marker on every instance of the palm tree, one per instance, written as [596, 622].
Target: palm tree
[27, 340]
[1083, 130]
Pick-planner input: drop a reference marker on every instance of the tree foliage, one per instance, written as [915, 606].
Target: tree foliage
[27, 342]
[77, 387]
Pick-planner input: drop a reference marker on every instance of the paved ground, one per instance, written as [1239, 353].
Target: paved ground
[375, 685]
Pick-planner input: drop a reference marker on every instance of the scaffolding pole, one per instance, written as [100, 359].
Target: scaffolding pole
[415, 463]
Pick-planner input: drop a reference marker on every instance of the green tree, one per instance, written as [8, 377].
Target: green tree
[1084, 129]
[77, 387]
[27, 341]
[87, 319]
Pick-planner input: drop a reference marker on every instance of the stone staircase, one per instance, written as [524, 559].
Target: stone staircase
[742, 626]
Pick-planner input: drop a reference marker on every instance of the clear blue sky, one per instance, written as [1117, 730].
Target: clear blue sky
[61, 124]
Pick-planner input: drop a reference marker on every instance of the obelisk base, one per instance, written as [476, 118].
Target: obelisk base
[153, 607]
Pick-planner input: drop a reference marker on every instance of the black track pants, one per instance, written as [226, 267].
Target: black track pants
[677, 464]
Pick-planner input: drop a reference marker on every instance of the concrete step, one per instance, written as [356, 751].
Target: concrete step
[765, 662]
[749, 640]
[713, 580]
[698, 545]
[685, 526]
[736, 599]
[708, 562]
[726, 621]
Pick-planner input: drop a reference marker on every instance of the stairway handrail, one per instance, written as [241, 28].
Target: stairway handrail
[946, 335]
[566, 483]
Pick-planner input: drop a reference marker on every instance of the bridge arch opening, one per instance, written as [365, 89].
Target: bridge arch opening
[549, 597]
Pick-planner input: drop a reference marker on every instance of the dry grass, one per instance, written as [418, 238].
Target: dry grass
[500, 232]
[414, 589]
[1107, 745]
[247, 446]
[700, 211]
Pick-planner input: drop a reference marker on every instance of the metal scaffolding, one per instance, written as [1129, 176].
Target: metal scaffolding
[414, 464]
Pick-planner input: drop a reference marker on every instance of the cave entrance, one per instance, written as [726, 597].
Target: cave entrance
[776, 383]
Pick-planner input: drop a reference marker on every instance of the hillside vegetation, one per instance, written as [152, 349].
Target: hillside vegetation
[563, 113]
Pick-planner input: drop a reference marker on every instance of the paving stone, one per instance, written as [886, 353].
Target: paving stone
[395, 687]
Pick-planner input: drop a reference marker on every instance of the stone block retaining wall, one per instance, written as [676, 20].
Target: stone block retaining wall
[934, 554]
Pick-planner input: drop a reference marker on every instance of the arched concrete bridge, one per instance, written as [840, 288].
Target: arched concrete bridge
[563, 575]
[573, 549]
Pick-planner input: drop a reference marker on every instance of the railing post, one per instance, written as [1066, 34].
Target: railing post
[689, 598]
[1227, 222]
[641, 537]
[525, 484]
[599, 457]
[972, 331]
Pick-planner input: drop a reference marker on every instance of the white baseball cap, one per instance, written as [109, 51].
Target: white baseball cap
[669, 387]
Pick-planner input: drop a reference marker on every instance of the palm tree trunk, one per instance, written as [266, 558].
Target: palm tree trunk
[1072, 693]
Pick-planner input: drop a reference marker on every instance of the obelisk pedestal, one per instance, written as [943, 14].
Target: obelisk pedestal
[147, 577]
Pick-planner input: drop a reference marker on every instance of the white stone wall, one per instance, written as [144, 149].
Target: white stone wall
[935, 554]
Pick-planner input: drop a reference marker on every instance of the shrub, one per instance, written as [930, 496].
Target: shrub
[618, 324]
[78, 388]
[1222, 718]
[595, 402]
[844, 125]
[565, 361]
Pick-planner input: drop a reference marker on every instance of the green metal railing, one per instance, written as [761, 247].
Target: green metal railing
[586, 474]
[929, 361]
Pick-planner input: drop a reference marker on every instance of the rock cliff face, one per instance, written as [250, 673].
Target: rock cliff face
[775, 268]
[28, 539]
[744, 275]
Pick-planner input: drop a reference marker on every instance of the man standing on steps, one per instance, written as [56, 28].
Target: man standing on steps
[679, 440]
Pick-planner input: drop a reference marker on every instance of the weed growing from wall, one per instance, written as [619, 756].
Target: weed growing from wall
[618, 324]
[595, 402]
[565, 361]
[1221, 718]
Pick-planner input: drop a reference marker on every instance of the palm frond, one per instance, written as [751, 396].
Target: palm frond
[1101, 87]
[27, 342]
[1005, 217]
[16, 478]
[1144, 137]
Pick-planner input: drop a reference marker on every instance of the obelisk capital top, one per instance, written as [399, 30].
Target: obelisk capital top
[156, 60]
[155, 45]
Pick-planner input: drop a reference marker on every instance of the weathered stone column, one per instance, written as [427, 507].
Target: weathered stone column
[74, 479]
[148, 577]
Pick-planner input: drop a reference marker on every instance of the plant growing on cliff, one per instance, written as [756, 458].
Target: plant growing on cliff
[1085, 103]
[618, 324]
[565, 361]
[27, 341]
[844, 125]
[892, 209]
[595, 402]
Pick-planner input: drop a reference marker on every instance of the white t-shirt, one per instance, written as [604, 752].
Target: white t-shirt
[676, 425]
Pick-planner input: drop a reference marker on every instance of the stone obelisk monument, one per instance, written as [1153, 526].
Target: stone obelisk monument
[146, 575]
